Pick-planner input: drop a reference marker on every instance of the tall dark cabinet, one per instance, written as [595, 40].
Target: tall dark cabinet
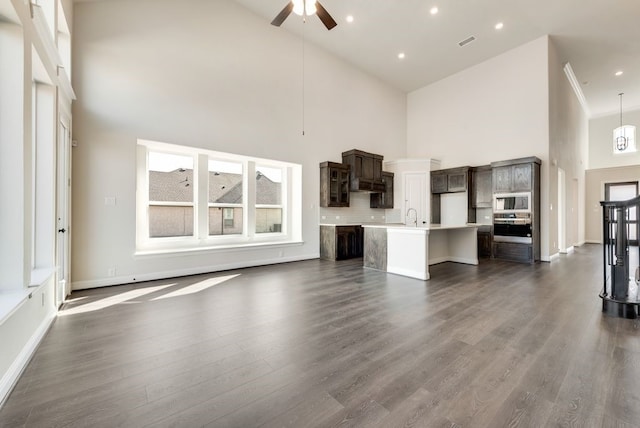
[517, 177]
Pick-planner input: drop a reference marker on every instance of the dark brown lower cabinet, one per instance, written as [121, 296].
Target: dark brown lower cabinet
[341, 242]
[484, 243]
[512, 251]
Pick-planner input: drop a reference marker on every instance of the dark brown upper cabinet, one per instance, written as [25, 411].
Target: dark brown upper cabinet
[451, 180]
[516, 175]
[334, 184]
[481, 187]
[384, 199]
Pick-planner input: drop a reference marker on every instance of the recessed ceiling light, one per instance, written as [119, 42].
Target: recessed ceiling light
[434, 10]
[499, 26]
[619, 73]
[349, 18]
[401, 55]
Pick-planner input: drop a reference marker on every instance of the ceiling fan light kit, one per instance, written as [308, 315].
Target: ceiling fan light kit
[305, 8]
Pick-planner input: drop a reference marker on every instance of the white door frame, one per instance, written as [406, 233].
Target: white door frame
[63, 209]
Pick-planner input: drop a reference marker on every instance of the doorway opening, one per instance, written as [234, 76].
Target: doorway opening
[622, 192]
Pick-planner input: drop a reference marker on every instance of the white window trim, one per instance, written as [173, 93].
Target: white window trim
[291, 204]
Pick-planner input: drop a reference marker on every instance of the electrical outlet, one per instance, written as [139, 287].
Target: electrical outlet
[111, 271]
[337, 217]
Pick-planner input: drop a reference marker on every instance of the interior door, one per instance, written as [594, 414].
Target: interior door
[622, 192]
[415, 194]
[63, 286]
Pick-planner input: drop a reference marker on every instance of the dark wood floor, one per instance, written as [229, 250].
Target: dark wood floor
[320, 343]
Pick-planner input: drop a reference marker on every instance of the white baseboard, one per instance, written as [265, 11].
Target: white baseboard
[118, 280]
[466, 261]
[567, 250]
[410, 273]
[12, 375]
[592, 241]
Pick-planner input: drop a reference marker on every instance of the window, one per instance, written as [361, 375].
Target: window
[628, 131]
[170, 195]
[268, 199]
[226, 190]
[194, 198]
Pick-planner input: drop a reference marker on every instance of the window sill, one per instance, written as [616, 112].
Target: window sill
[11, 300]
[215, 248]
[40, 276]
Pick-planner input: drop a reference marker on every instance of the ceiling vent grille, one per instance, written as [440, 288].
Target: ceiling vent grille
[466, 41]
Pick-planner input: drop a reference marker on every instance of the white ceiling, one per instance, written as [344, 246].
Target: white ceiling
[597, 37]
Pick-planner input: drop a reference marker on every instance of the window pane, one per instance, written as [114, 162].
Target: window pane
[170, 180]
[165, 221]
[170, 177]
[268, 220]
[225, 220]
[268, 186]
[225, 182]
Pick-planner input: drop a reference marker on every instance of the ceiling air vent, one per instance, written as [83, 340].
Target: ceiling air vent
[466, 41]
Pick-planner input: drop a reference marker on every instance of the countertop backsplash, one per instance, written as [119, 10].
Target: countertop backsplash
[357, 212]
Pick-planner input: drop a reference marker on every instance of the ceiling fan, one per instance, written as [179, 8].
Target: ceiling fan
[305, 8]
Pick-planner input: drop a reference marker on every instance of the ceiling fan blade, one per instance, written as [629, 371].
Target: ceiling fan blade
[284, 13]
[324, 16]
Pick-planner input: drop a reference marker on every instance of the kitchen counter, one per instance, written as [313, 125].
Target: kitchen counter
[410, 250]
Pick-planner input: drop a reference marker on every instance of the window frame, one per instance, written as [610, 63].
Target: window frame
[201, 240]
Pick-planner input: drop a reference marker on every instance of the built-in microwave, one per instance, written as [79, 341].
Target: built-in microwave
[512, 202]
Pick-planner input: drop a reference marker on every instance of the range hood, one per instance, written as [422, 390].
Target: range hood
[365, 171]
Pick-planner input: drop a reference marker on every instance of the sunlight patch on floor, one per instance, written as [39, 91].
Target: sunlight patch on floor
[113, 300]
[197, 287]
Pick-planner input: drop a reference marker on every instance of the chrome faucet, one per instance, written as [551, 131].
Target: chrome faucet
[415, 217]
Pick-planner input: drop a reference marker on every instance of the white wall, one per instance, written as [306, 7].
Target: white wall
[493, 111]
[207, 74]
[568, 146]
[601, 140]
[27, 304]
[595, 182]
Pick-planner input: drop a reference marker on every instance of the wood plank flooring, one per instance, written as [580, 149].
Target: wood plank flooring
[330, 344]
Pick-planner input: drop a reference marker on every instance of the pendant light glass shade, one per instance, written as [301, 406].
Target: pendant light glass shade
[622, 142]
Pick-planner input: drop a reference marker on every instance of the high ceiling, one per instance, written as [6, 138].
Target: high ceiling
[597, 37]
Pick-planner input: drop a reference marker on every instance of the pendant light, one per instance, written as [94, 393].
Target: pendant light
[622, 142]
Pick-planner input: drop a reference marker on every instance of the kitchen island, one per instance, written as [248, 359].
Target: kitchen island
[410, 250]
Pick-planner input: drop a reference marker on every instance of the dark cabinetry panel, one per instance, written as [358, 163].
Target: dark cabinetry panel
[502, 179]
[449, 180]
[512, 251]
[384, 199]
[484, 243]
[438, 182]
[481, 187]
[517, 177]
[522, 178]
[340, 242]
[334, 184]
[366, 170]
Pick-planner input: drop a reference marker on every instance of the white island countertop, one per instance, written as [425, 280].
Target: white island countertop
[423, 227]
[409, 250]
